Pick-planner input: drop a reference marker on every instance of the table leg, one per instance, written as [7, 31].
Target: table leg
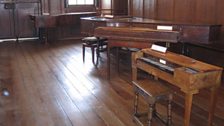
[214, 92]
[188, 105]
[118, 58]
[108, 62]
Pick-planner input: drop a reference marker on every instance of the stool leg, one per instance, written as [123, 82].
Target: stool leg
[97, 53]
[169, 112]
[150, 114]
[136, 103]
[83, 53]
[93, 55]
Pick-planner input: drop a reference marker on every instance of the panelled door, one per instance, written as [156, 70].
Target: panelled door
[15, 21]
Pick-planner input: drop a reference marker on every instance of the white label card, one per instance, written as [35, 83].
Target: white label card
[161, 27]
[158, 48]
[162, 61]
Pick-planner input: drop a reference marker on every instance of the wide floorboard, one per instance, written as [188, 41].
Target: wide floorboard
[50, 85]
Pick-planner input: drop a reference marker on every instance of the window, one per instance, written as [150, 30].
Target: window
[80, 2]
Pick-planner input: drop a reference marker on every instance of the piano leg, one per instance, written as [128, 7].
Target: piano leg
[118, 58]
[188, 104]
[108, 61]
[214, 91]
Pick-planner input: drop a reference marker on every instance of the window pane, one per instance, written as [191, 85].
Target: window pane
[89, 2]
[72, 2]
[80, 1]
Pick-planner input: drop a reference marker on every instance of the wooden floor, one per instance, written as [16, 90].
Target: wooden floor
[51, 86]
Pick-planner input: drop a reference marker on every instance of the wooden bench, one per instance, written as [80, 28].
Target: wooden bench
[152, 91]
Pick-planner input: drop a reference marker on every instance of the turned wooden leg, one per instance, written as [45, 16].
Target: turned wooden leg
[150, 114]
[213, 100]
[188, 104]
[169, 111]
[136, 103]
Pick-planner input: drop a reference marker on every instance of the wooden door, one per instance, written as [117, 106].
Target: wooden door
[15, 22]
[24, 26]
[6, 23]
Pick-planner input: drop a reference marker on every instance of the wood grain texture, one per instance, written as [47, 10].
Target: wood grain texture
[51, 86]
[137, 8]
[149, 9]
[205, 11]
[165, 9]
[184, 10]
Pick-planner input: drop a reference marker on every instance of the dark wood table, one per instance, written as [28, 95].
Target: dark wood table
[45, 22]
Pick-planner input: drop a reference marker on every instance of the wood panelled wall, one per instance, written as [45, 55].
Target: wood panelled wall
[192, 11]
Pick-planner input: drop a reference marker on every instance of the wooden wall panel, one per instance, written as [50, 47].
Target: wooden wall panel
[184, 10]
[120, 7]
[190, 11]
[56, 6]
[165, 9]
[220, 15]
[150, 9]
[205, 11]
[137, 9]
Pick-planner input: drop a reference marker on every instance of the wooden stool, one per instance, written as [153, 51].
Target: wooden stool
[152, 91]
[93, 42]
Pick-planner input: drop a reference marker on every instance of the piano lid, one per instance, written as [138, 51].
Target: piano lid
[137, 34]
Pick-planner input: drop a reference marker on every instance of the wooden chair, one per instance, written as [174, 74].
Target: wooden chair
[93, 43]
[152, 92]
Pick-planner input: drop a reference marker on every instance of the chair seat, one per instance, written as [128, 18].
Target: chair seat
[90, 39]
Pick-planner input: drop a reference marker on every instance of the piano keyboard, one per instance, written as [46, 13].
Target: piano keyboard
[161, 66]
